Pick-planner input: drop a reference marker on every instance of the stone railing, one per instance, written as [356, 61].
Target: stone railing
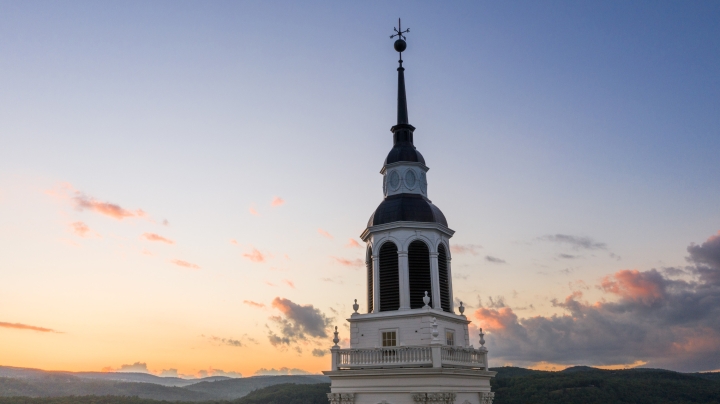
[409, 356]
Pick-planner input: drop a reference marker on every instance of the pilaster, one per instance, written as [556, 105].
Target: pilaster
[404, 276]
[376, 283]
[435, 278]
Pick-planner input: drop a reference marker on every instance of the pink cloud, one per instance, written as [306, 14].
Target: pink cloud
[80, 229]
[277, 201]
[352, 244]
[254, 304]
[18, 326]
[465, 248]
[155, 237]
[84, 202]
[348, 263]
[255, 256]
[289, 283]
[646, 287]
[253, 211]
[233, 241]
[324, 233]
[184, 264]
[495, 319]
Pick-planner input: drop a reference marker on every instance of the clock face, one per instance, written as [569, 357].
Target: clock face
[423, 183]
[394, 180]
[410, 179]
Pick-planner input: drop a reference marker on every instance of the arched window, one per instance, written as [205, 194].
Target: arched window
[444, 278]
[370, 279]
[419, 271]
[389, 278]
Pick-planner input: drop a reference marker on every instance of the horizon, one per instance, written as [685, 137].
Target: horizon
[183, 186]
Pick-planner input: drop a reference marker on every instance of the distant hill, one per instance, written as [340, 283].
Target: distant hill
[288, 394]
[234, 388]
[13, 372]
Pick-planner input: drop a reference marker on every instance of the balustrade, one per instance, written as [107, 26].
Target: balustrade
[408, 356]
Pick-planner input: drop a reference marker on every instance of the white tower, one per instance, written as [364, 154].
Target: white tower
[410, 346]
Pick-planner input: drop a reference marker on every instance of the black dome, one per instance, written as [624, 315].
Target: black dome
[407, 208]
[404, 152]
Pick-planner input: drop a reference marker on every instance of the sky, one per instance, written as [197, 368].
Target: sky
[183, 184]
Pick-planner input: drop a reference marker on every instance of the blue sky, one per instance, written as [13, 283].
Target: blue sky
[594, 120]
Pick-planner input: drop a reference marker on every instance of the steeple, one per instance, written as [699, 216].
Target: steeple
[403, 148]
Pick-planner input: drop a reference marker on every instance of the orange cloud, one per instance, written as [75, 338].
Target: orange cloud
[324, 233]
[19, 326]
[80, 229]
[253, 304]
[346, 262]
[184, 264]
[352, 244]
[84, 202]
[233, 241]
[255, 256]
[277, 201]
[495, 320]
[289, 283]
[155, 237]
[254, 212]
[646, 287]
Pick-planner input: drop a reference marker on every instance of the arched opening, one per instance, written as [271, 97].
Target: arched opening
[419, 271]
[389, 278]
[369, 264]
[444, 278]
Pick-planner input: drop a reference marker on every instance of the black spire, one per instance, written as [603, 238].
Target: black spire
[403, 148]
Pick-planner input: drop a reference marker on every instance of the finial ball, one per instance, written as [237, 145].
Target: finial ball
[400, 45]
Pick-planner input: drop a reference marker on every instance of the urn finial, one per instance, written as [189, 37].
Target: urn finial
[461, 308]
[482, 338]
[336, 339]
[426, 300]
[356, 306]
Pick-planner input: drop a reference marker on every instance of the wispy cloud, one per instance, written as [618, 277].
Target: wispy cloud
[324, 233]
[184, 264]
[349, 263]
[19, 326]
[281, 371]
[82, 230]
[155, 237]
[289, 283]
[253, 304]
[226, 341]
[465, 248]
[277, 201]
[84, 202]
[576, 242]
[494, 260]
[233, 241]
[255, 255]
[352, 244]
[253, 211]
[297, 322]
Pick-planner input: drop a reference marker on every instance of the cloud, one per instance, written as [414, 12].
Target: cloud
[155, 237]
[352, 244]
[494, 260]
[253, 304]
[465, 248]
[169, 373]
[644, 316]
[253, 211]
[217, 372]
[83, 202]
[319, 352]
[568, 256]
[324, 233]
[576, 242]
[227, 341]
[349, 263]
[277, 201]
[135, 367]
[233, 241]
[281, 371]
[297, 322]
[289, 283]
[255, 255]
[184, 264]
[81, 229]
[18, 326]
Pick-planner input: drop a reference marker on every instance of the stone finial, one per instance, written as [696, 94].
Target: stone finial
[461, 308]
[356, 306]
[435, 332]
[426, 300]
[336, 339]
[482, 338]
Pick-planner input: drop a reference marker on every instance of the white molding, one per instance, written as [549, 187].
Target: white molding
[365, 235]
[385, 315]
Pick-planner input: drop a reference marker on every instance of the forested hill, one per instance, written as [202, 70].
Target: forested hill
[578, 385]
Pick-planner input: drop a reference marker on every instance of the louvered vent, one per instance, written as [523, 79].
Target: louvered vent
[444, 279]
[370, 280]
[389, 280]
[419, 271]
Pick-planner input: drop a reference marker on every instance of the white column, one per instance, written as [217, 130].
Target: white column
[376, 283]
[435, 281]
[404, 277]
[450, 289]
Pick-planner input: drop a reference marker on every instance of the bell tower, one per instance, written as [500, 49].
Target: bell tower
[409, 345]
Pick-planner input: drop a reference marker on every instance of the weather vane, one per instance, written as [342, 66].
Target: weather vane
[400, 44]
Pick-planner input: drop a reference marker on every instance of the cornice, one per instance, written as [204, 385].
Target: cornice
[406, 225]
[404, 163]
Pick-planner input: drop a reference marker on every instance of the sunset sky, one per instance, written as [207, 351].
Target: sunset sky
[183, 184]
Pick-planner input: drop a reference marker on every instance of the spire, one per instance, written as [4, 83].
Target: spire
[400, 45]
